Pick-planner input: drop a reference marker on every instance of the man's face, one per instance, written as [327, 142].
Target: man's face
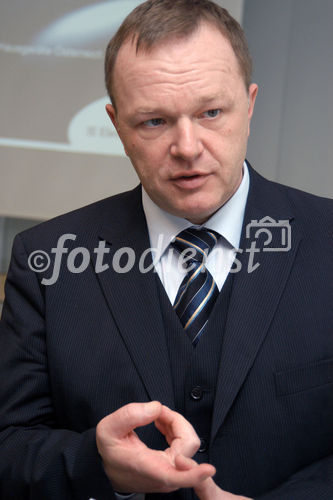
[183, 116]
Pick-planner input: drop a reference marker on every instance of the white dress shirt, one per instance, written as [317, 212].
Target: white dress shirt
[164, 227]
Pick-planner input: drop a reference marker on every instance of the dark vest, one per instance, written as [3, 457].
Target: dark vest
[195, 370]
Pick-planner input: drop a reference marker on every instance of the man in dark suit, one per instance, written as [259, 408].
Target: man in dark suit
[91, 347]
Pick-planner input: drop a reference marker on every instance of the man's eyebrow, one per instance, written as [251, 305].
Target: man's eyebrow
[210, 98]
[146, 111]
[201, 102]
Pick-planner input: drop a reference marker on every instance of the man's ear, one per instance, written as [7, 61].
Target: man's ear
[111, 111]
[253, 91]
[112, 115]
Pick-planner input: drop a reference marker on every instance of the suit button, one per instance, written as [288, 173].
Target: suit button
[203, 445]
[196, 393]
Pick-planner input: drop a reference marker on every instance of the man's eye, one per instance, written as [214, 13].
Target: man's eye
[154, 122]
[211, 113]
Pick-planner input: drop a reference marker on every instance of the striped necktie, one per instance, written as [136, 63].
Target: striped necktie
[198, 291]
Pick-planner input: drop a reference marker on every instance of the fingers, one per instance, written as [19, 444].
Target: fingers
[191, 478]
[170, 477]
[208, 490]
[121, 422]
[185, 463]
[133, 467]
[178, 432]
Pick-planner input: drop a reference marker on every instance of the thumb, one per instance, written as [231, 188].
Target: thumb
[185, 463]
[128, 417]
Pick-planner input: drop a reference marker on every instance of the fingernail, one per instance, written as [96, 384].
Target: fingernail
[152, 407]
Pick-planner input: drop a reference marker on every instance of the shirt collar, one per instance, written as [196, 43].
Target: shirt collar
[227, 221]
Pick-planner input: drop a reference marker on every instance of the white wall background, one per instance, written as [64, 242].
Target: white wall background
[291, 42]
[235, 7]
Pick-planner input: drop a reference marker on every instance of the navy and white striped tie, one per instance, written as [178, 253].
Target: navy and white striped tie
[198, 291]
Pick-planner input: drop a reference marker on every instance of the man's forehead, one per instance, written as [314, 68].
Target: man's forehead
[204, 60]
[176, 63]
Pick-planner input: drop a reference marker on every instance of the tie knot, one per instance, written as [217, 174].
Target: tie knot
[200, 242]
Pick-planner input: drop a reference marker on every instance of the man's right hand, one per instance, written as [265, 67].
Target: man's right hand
[132, 467]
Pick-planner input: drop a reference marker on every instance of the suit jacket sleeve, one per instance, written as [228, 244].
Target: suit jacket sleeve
[38, 459]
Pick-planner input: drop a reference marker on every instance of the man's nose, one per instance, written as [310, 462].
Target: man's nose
[186, 143]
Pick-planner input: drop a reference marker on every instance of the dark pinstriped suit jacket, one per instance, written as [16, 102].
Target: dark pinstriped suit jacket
[79, 349]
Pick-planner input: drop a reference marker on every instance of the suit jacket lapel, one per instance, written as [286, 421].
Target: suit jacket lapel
[254, 299]
[133, 300]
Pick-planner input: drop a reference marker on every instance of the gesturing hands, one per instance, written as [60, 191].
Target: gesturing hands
[132, 467]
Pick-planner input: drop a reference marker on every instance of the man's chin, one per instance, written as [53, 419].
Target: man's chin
[199, 215]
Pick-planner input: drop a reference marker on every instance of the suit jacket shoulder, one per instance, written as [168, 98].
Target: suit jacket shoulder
[115, 212]
[312, 212]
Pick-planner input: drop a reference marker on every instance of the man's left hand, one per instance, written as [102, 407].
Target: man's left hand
[208, 489]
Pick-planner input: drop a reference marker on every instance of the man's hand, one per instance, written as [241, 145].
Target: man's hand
[132, 467]
[208, 489]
